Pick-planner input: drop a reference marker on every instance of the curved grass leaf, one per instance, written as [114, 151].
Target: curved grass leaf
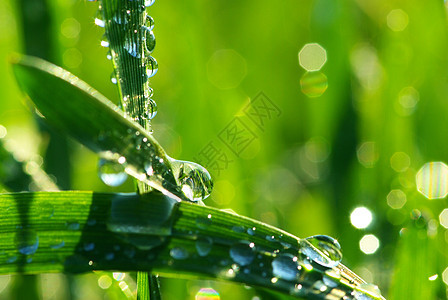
[76, 232]
[74, 107]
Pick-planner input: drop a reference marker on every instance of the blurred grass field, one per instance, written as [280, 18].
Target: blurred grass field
[378, 114]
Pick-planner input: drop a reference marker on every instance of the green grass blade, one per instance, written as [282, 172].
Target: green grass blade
[76, 232]
[74, 107]
[143, 286]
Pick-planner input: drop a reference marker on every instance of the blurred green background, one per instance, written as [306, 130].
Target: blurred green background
[352, 133]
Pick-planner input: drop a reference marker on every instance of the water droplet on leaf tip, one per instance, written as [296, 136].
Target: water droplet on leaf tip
[325, 250]
[111, 173]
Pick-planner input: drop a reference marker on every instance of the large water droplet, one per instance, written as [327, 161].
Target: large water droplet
[322, 249]
[285, 266]
[242, 253]
[195, 181]
[149, 39]
[111, 173]
[151, 66]
[27, 241]
[134, 216]
[204, 246]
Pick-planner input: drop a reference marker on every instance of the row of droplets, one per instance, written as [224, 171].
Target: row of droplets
[139, 43]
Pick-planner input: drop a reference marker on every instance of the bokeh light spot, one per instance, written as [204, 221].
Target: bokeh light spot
[207, 294]
[397, 20]
[367, 154]
[400, 161]
[72, 58]
[104, 282]
[369, 244]
[433, 277]
[408, 99]
[445, 276]
[432, 180]
[70, 28]
[314, 84]
[443, 218]
[226, 69]
[366, 66]
[312, 57]
[317, 149]
[396, 199]
[361, 217]
[118, 276]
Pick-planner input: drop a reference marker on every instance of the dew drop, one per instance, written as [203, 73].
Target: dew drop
[151, 66]
[242, 253]
[132, 45]
[57, 244]
[113, 78]
[149, 22]
[179, 253]
[149, 2]
[238, 229]
[151, 109]
[322, 249]
[204, 246]
[104, 42]
[252, 231]
[27, 242]
[99, 19]
[120, 18]
[149, 39]
[111, 173]
[72, 225]
[285, 266]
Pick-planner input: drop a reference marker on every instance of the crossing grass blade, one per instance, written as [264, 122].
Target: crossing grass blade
[77, 232]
